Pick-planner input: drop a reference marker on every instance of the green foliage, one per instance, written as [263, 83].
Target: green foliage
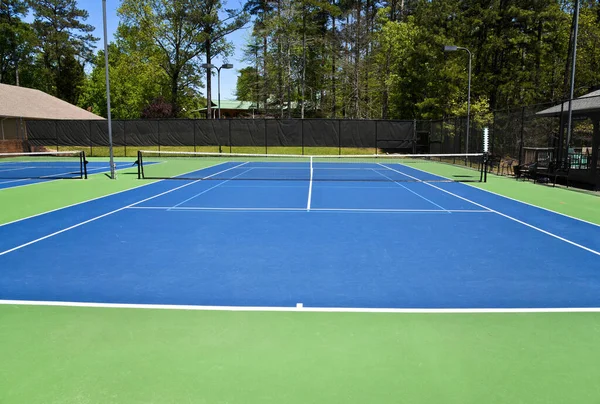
[369, 59]
[17, 40]
[246, 86]
[65, 43]
[133, 84]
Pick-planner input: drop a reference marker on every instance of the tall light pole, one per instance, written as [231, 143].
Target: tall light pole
[110, 141]
[573, 66]
[209, 66]
[452, 48]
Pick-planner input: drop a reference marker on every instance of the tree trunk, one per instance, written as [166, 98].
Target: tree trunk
[265, 87]
[208, 82]
[333, 53]
[279, 65]
[303, 59]
[356, 89]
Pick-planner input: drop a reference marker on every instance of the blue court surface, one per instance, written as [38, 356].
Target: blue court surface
[19, 173]
[326, 243]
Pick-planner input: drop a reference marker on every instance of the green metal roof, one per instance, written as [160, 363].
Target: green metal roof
[232, 104]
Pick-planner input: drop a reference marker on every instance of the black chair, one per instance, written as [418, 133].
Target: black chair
[526, 171]
[543, 171]
[494, 162]
[507, 165]
[561, 170]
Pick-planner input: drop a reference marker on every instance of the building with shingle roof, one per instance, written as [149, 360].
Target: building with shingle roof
[21, 104]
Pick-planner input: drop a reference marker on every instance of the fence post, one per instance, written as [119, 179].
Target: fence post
[158, 132]
[376, 138]
[266, 139]
[414, 136]
[194, 131]
[339, 137]
[561, 132]
[521, 141]
[302, 135]
[56, 135]
[493, 137]
[229, 135]
[90, 139]
[125, 136]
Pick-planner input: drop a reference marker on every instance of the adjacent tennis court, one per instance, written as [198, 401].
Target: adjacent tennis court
[18, 169]
[304, 233]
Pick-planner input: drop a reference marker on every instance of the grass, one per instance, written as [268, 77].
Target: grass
[79, 355]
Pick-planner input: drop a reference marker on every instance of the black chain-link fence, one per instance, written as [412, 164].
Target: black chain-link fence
[297, 136]
[513, 133]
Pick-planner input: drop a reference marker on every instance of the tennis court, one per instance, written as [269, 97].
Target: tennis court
[371, 235]
[18, 169]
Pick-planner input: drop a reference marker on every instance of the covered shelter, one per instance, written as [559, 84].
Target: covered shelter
[584, 107]
[230, 109]
[20, 104]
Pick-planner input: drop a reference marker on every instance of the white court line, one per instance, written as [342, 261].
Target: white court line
[303, 308]
[508, 217]
[106, 214]
[408, 189]
[16, 169]
[310, 186]
[47, 179]
[278, 209]
[507, 197]
[87, 200]
[211, 188]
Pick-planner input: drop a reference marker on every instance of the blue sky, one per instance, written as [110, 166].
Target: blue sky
[239, 38]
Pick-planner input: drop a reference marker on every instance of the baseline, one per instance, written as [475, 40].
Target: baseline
[301, 308]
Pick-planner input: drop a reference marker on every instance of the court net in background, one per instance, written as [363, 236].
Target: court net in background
[43, 165]
[387, 167]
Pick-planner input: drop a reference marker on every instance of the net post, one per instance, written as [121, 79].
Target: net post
[139, 164]
[486, 151]
[83, 164]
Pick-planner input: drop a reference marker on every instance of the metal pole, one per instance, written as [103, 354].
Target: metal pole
[219, 89]
[110, 142]
[468, 103]
[574, 63]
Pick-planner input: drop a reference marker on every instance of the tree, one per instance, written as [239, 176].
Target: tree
[180, 31]
[172, 30]
[159, 108]
[64, 40]
[134, 82]
[214, 29]
[246, 84]
[16, 40]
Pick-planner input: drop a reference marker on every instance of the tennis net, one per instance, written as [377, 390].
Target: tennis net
[383, 167]
[43, 165]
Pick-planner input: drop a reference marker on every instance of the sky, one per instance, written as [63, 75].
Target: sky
[238, 38]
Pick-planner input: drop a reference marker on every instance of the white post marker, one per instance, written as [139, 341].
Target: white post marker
[486, 151]
[310, 185]
[486, 140]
